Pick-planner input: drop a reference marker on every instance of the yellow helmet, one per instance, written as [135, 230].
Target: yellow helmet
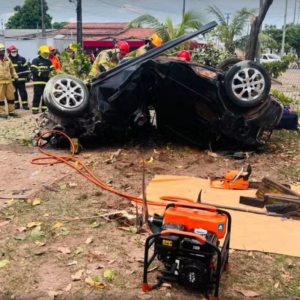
[70, 48]
[2, 47]
[43, 49]
[156, 40]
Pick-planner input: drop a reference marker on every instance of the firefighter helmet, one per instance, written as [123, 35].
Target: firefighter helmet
[123, 46]
[12, 48]
[70, 48]
[43, 49]
[51, 48]
[185, 54]
[2, 47]
[156, 40]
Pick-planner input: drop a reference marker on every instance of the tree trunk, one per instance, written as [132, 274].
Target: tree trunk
[255, 26]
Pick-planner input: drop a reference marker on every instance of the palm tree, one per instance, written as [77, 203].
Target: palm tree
[167, 30]
[227, 32]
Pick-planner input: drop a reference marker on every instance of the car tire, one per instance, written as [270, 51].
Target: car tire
[66, 96]
[227, 64]
[247, 83]
[282, 208]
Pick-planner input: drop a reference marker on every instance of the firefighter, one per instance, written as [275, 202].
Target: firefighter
[154, 41]
[109, 58]
[54, 59]
[41, 68]
[7, 72]
[71, 51]
[185, 55]
[20, 64]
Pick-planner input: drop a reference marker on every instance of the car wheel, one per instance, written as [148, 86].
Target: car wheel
[227, 64]
[247, 83]
[66, 96]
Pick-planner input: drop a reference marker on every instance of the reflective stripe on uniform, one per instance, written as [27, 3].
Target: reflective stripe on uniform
[16, 101]
[35, 108]
[39, 82]
[38, 67]
[22, 79]
[25, 64]
[51, 67]
[24, 102]
[44, 107]
[15, 65]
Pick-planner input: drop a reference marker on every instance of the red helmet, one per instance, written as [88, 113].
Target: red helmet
[123, 46]
[185, 54]
[12, 48]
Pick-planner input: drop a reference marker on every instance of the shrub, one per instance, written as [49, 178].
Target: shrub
[284, 99]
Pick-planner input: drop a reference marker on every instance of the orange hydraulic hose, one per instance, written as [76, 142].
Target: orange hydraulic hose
[71, 160]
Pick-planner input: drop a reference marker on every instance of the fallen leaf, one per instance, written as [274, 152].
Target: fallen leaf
[91, 282]
[72, 184]
[124, 228]
[4, 223]
[143, 160]
[53, 294]
[34, 224]
[152, 269]
[72, 263]
[86, 155]
[78, 275]
[212, 154]
[144, 297]
[276, 285]
[289, 262]
[111, 262]
[37, 234]
[133, 229]
[78, 250]
[20, 237]
[89, 240]
[64, 250]
[37, 229]
[21, 229]
[62, 186]
[78, 165]
[4, 262]
[39, 252]
[150, 161]
[39, 243]
[284, 271]
[179, 167]
[95, 224]
[9, 201]
[36, 201]
[109, 275]
[68, 288]
[58, 225]
[250, 294]
[128, 272]
[155, 151]
[65, 232]
[29, 201]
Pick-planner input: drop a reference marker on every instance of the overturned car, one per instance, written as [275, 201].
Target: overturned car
[197, 102]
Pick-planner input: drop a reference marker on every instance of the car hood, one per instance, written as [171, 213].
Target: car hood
[152, 53]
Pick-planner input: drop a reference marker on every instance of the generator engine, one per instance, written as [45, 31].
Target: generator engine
[186, 240]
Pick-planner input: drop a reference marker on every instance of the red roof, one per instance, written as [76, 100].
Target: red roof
[90, 31]
[97, 25]
[136, 33]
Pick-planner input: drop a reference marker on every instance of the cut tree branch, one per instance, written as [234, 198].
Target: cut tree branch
[255, 27]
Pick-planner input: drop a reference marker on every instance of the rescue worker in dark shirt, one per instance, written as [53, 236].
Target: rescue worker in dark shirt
[20, 64]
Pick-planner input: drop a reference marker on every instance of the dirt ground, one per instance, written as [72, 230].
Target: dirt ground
[72, 239]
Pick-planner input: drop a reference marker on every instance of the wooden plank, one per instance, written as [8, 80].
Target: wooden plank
[272, 198]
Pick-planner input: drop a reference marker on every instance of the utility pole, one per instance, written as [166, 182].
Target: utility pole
[284, 28]
[228, 19]
[183, 10]
[295, 11]
[79, 23]
[258, 49]
[43, 19]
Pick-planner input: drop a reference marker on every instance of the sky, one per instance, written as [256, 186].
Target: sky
[126, 10]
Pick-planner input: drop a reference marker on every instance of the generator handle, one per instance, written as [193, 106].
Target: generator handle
[198, 237]
[193, 205]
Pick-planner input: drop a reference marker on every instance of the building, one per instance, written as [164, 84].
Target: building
[102, 35]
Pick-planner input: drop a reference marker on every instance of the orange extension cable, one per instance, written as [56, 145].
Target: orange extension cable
[71, 161]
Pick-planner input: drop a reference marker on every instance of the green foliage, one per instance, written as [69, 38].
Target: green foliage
[59, 25]
[28, 16]
[227, 33]
[80, 66]
[167, 30]
[215, 55]
[283, 99]
[276, 68]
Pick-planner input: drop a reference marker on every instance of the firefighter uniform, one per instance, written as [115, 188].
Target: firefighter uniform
[104, 61]
[7, 72]
[142, 50]
[20, 65]
[41, 68]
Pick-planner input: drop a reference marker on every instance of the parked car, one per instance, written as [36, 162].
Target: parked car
[199, 103]
[269, 58]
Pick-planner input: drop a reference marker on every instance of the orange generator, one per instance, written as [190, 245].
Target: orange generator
[186, 240]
